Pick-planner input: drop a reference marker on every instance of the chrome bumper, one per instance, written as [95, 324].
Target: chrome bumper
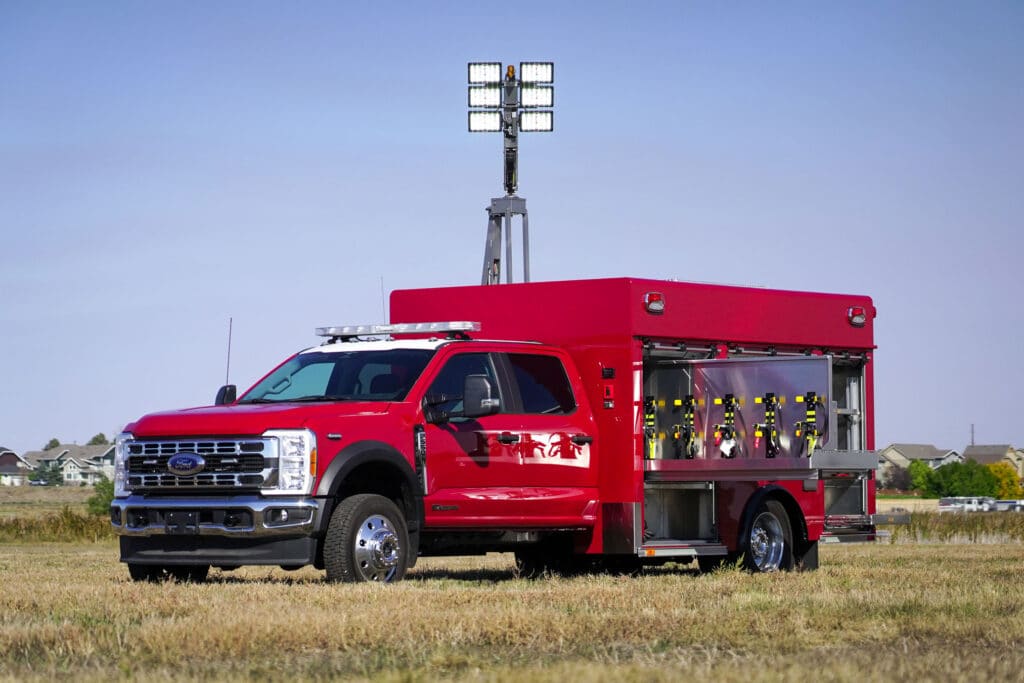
[229, 516]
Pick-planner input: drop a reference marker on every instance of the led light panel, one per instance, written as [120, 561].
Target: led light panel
[485, 72]
[536, 121]
[536, 95]
[484, 121]
[537, 72]
[485, 96]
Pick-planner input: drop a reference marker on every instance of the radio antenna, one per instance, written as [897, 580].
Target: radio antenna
[227, 372]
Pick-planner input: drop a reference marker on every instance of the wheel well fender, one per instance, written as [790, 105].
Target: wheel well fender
[797, 522]
[375, 467]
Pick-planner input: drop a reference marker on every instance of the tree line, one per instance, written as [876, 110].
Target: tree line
[998, 480]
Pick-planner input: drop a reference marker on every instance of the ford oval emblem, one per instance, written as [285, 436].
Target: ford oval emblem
[185, 464]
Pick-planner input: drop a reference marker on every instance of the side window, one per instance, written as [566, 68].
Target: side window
[543, 384]
[451, 380]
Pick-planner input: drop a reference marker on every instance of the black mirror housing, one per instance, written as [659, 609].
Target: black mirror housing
[478, 397]
[225, 395]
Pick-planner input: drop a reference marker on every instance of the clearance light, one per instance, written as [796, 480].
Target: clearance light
[484, 121]
[537, 72]
[537, 121]
[857, 316]
[485, 72]
[654, 302]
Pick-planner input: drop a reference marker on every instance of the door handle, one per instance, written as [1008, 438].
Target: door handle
[581, 439]
[508, 438]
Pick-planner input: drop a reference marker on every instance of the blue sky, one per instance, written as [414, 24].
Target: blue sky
[167, 166]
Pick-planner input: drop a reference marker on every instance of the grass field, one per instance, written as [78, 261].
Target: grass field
[38, 501]
[876, 612]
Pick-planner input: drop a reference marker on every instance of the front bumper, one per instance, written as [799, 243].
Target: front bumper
[225, 531]
[243, 516]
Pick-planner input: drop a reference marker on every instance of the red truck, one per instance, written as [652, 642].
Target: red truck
[578, 424]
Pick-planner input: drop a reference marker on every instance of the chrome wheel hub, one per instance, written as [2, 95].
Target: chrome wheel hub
[377, 549]
[767, 543]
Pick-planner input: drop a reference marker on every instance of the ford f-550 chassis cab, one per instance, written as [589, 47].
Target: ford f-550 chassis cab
[578, 424]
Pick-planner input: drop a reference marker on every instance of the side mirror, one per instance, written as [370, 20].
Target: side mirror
[478, 397]
[225, 395]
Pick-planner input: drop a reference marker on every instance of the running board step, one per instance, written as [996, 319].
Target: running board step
[674, 548]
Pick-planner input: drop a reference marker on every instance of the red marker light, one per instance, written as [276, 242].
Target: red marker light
[857, 316]
[654, 302]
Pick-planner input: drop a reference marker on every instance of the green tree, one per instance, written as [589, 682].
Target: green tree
[963, 479]
[98, 440]
[1008, 485]
[99, 502]
[51, 444]
[48, 474]
[920, 476]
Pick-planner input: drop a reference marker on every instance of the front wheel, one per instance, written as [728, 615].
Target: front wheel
[367, 540]
[768, 546]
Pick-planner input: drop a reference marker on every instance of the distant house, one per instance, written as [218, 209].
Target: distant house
[77, 464]
[991, 454]
[13, 468]
[901, 454]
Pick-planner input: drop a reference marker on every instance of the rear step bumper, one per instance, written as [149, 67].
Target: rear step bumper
[673, 548]
[849, 529]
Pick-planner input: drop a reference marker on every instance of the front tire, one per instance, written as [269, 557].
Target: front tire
[367, 540]
[768, 545]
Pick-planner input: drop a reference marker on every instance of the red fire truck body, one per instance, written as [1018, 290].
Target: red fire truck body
[577, 423]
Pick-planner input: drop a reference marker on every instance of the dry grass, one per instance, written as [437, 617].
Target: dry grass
[38, 501]
[872, 613]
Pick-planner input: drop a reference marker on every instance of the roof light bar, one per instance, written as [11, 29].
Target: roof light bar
[397, 328]
[485, 121]
[485, 72]
[537, 72]
[537, 121]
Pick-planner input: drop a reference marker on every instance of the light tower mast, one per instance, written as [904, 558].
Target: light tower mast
[509, 105]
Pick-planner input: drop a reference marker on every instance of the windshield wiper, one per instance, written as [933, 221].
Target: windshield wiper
[258, 400]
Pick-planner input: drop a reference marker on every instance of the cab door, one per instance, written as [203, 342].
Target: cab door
[527, 465]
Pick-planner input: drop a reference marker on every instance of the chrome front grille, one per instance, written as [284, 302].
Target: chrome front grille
[229, 463]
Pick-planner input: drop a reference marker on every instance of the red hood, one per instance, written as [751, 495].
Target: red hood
[246, 420]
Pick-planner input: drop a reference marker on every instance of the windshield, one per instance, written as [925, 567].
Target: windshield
[342, 376]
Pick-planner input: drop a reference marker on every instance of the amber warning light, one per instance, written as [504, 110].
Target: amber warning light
[857, 316]
[654, 302]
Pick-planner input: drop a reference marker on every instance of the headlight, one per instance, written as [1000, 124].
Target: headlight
[121, 487]
[296, 461]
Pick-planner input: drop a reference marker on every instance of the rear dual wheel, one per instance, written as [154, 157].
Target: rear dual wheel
[768, 545]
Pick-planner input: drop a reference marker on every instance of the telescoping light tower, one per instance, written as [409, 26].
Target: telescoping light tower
[509, 105]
